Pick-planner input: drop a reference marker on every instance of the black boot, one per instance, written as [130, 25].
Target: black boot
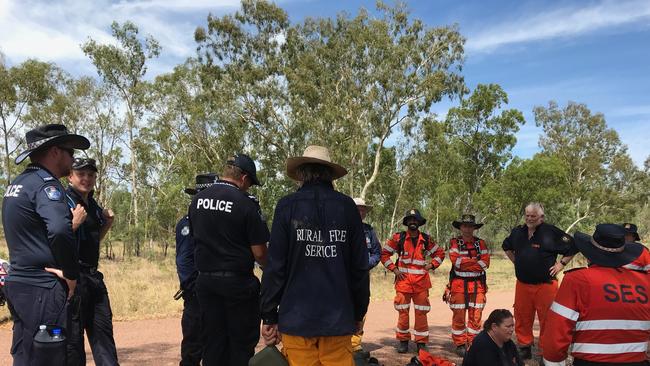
[461, 350]
[525, 352]
[403, 347]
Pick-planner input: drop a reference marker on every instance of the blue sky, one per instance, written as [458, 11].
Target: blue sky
[592, 52]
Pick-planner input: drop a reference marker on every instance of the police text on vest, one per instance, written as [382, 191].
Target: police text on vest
[214, 205]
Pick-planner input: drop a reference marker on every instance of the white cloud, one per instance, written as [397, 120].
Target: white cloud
[559, 23]
[54, 31]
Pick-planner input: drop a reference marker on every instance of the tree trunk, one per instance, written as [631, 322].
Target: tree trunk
[134, 184]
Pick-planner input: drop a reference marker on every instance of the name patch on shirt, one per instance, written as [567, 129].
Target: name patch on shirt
[214, 205]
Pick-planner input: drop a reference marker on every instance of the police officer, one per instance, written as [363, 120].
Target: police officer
[601, 312]
[230, 235]
[38, 228]
[318, 267]
[533, 248]
[91, 310]
[374, 252]
[187, 273]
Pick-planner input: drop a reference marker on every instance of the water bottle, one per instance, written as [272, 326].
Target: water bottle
[49, 348]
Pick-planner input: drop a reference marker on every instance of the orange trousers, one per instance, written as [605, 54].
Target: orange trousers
[531, 299]
[421, 306]
[317, 351]
[463, 334]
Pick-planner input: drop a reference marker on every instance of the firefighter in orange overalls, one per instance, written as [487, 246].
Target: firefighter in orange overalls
[466, 291]
[412, 282]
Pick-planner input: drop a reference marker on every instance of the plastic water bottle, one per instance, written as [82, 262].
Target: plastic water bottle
[49, 349]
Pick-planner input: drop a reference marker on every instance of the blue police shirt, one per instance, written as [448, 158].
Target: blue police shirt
[373, 246]
[185, 246]
[38, 228]
[317, 268]
[87, 233]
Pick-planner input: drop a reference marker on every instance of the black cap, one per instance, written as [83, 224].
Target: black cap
[414, 214]
[51, 135]
[632, 229]
[84, 163]
[245, 163]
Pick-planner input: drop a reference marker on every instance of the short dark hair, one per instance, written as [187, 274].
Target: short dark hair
[496, 317]
[311, 172]
[231, 171]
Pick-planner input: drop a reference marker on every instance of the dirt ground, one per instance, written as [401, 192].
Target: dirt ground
[157, 342]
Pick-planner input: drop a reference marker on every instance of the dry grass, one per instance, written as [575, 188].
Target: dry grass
[142, 289]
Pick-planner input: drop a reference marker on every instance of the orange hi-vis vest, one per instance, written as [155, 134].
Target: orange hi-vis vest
[412, 260]
[642, 263]
[601, 314]
[469, 261]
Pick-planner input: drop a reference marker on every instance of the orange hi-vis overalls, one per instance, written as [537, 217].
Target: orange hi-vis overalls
[416, 283]
[469, 259]
[642, 263]
[600, 315]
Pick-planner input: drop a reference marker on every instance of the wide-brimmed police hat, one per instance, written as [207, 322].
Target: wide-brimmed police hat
[203, 181]
[84, 163]
[416, 214]
[466, 219]
[607, 247]
[246, 164]
[51, 135]
[632, 229]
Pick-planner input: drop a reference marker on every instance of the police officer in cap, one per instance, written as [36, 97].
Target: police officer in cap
[37, 224]
[187, 273]
[91, 310]
[230, 235]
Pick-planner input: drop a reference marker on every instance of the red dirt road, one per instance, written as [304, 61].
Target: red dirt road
[157, 342]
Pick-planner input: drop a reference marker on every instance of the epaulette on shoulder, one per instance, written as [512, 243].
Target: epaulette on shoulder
[574, 269]
[47, 177]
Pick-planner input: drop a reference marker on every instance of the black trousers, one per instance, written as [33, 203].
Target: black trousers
[90, 311]
[230, 308]
[31, 306]
[191, 345]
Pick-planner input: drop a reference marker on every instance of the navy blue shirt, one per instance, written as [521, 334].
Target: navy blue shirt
[373, 246]
[225, 223]
[38, 227]
[185, 246]
[534, 256]
[88, 232]
[317, 268]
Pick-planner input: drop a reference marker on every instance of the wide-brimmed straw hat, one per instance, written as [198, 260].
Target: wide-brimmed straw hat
[466, 219]
[607, 247]
[314, 154]
[51, 135]
[203, 181]
[361, 202]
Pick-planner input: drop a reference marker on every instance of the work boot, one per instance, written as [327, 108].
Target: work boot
[461, 350]
[525, 352]
[403, 347]
[361, 354]
[421, 346]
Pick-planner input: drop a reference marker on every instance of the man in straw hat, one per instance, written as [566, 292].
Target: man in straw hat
[191, 344]
[37, 224]
[317, 272]
[412, 282]
[374, 252]
[533, 248]
[467, 287]
[230, 235]
[601, 312]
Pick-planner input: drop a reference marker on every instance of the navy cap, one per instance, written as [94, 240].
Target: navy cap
[84, 163]
[245, 163]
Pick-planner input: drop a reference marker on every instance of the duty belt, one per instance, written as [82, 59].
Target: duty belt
[225, 274]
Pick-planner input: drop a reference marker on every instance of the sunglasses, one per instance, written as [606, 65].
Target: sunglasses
[68, 150]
